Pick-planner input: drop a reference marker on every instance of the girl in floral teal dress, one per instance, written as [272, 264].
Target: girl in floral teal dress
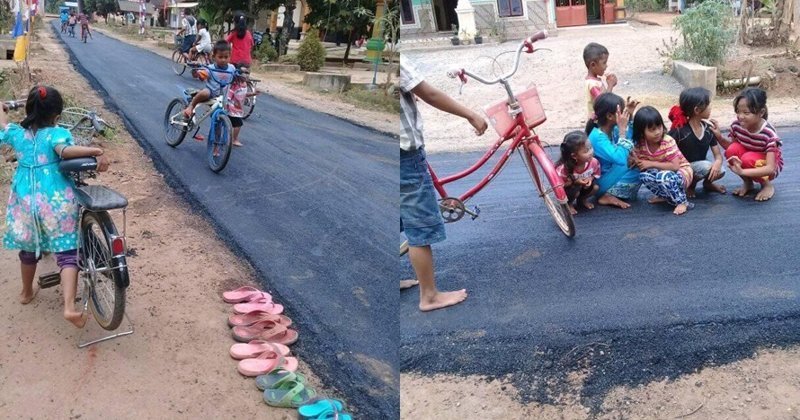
[42, 214]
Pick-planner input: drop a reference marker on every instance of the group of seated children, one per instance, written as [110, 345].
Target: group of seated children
[614, 156]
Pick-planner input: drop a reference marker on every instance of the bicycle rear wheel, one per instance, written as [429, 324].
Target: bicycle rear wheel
[250, 101]
[220, 140]
[174, 134]
[548, 183]
[178, 62]
[107, 274]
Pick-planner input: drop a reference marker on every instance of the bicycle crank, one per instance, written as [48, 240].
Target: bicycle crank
[452, 209]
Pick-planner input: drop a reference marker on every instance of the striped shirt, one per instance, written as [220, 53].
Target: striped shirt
[410, 118]
[591, 170]
[764, 141]
[667, 151]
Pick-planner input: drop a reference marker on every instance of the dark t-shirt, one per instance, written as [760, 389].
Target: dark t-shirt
[693, 149]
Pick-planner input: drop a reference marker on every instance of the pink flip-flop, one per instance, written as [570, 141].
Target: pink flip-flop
[245, 294]
[283, 336]
[265, 363]
[266, 327]
[269, 307]
[255, 348]
[250, 318]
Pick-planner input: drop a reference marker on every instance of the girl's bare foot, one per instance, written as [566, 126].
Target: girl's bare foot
[691, 192]
[610, 200]
[656, 199]
[710, 186]
[588, 204]
[407, 284]
[680, 209]
[767, 191]
[442, 300]
[26, 298]
[745, 189]
[572, 210]
[77, 319]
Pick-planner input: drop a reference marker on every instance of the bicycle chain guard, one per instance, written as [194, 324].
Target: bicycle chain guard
[452, 209]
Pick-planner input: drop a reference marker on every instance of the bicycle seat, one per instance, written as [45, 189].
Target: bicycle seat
[100, 198]
[69, 166]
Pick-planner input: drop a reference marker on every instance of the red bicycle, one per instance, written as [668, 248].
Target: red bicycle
[514, 119]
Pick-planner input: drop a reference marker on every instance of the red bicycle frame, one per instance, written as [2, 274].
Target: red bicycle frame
[524, 137]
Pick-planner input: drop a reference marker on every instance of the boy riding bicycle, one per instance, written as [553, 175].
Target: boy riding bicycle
[215, 80]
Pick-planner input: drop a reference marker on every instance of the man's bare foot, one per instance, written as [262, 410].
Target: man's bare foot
[407, 284]
[710, 186]
[680, 209]
[767, 191]
[656, 199]
[237, 143]
[745, 189]
[77, 319]
[691, 191]
[443, 300]
[610, 200]
[588, 204]
[26, 298]
[572, 209]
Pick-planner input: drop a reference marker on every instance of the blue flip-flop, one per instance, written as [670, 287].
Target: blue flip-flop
[319, 408]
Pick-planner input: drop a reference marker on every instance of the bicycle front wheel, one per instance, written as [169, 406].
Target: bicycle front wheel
[220, 140]
[106, 273]
[174, 134]
[249, 102]
[548, 184]
[178, 62]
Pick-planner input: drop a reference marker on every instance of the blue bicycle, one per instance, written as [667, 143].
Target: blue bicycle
[220, 134]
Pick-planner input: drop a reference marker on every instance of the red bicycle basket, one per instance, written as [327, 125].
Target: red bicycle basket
[531, 108]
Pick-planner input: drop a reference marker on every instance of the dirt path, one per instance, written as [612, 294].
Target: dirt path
[176, 364]
[765, 386]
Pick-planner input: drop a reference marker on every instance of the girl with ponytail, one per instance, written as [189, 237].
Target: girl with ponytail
[695, 134]
[42, 212]
[241, 41]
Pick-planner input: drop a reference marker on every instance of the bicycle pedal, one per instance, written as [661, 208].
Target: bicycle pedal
[49, 280]
[476, 211]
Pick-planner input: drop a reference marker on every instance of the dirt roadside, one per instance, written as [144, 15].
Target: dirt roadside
[176, 364]
[765, 386]
[285, 87]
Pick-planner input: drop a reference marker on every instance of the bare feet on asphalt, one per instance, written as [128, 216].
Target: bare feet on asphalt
[77, 319]
[691, 192]
[587, 204]
[407, 284]
[238, 144]
[26, 298]
[681, 209]
[745, 189]
[572, 210]
[712, 187]
[443, 300]
[767, 191]
[610, 200]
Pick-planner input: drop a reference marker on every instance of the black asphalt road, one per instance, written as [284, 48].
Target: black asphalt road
[638, 294]
[305, 201]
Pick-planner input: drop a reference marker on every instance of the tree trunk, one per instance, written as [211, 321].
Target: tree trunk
[347, 50]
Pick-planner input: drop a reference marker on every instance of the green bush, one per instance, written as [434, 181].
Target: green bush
[287, 59]
[311, 54]
[635, 6]
[708, 32]
[265, 53]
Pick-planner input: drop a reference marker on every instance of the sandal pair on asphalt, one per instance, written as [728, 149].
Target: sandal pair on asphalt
[247, 299]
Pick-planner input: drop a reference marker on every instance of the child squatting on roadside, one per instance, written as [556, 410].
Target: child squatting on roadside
[595, 57]
[42, 214]
[419, 210]
[754, 147]
[664, 170]
[579, 169]
[695, 135]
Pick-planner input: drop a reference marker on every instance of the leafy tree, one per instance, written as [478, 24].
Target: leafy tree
[350, 17]
[101, 7]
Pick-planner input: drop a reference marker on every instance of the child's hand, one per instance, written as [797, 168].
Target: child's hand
[735, 164]
[631, 104]
[478, 123]
[585, 182]
[102, 163]
[644, 165]
[611, 80]
[622, 119]
[715, 169]
[713, 125]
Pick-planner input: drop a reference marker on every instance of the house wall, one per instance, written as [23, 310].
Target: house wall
[535, 17]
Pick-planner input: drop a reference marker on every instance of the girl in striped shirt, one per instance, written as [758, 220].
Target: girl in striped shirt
[754, 148]
[664, 170]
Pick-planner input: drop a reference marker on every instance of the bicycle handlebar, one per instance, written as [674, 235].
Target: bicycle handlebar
[526, 44]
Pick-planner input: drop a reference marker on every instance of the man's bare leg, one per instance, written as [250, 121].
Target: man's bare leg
[429, 297]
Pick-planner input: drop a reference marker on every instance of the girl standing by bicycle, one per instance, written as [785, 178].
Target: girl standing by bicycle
[236, 98]
[579, 169]
[42, 214]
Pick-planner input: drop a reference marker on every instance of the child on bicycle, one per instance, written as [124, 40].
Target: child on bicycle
[578, 169]
[203, 45]
[237, 94]
[42, 214]
[595, 57]
[215, 80]
[420, 218]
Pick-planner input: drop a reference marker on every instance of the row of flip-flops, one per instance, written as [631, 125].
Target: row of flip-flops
[263, 352]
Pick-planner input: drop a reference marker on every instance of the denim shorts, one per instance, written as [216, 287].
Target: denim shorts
[420, 218]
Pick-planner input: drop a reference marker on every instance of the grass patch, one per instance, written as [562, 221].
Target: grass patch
[359, 96]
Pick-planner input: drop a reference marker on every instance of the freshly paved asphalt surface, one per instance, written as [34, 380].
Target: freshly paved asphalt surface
[310, 201]
[640, 294]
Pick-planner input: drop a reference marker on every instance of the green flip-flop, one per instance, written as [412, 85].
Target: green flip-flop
[277, 377]
[290, 394]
